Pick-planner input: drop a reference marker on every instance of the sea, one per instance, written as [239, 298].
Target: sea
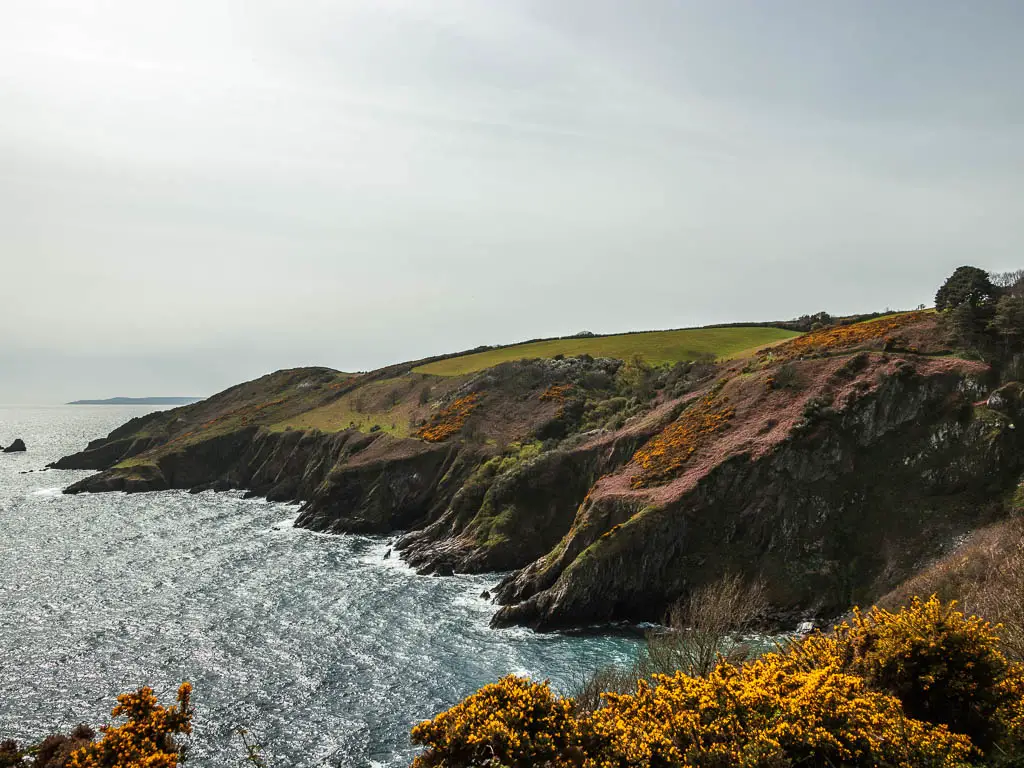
[324, 651]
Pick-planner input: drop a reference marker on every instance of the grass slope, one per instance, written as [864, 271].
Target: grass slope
[390, 404]
[654, 346]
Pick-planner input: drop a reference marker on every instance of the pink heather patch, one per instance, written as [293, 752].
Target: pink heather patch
[764, 416]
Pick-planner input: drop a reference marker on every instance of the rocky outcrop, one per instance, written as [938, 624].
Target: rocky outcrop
[104, 453]
[18, 446]
[500, 522]
[835, 514]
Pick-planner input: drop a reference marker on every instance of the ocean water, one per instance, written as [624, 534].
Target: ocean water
[323, 650]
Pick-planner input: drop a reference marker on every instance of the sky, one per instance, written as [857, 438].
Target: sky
[199, 192]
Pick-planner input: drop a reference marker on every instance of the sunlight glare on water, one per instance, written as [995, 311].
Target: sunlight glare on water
[325, 651]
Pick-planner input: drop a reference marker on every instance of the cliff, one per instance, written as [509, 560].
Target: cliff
[832, 466]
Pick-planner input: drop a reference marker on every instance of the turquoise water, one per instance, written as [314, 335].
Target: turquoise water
[325, 651]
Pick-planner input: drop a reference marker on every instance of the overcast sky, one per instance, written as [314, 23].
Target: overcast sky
[196, 192]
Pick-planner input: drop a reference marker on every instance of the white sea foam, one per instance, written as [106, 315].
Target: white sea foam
[287, 524]
[48, 491]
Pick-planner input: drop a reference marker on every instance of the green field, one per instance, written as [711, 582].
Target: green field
[654, 346]
[342, 415]
[390, 404]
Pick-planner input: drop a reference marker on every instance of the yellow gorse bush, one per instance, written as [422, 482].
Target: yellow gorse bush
[449, 420]
[945, 667]
[841, 337]
[513, 721]
[662, 458]
[146, 739]
[924, 687]
[764, 714]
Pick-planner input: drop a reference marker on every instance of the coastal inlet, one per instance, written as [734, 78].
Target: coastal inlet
[324, 650]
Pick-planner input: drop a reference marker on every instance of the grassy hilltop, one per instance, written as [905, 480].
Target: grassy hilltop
[656, 347]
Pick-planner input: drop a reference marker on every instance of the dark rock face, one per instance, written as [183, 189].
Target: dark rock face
[504, 522]
[17, 446]
[829, 519]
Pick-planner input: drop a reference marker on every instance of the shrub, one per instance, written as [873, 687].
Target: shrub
[635, 378]
[662, 457]
[762, 714]
[597, 380]
[10, 755]
[589, 690]
[706, 626]
[449, 420]
[147, 737]
[786, 376]
[945, 667]
[513, 723]
[903, 689]
[836, 338]
[1008, 749]
[55, 750]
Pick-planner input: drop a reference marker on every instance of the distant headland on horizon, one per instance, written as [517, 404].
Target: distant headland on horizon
[139, 401]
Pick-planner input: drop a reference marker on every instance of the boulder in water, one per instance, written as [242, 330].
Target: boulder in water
[485, 595]
[16, 447]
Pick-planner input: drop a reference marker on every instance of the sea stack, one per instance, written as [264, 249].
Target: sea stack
[16, 447]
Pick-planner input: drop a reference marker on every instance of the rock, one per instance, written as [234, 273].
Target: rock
[16, 447]
[805, 627]
[485, 595]
[387, 554]
[1006, 399]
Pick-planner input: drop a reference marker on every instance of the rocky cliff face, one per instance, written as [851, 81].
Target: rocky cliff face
[831, 468]
[834, 514]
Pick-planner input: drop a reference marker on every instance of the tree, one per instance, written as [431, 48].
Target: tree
[1009, 319]
[1012, 281]
[967, 327]
[967, 285]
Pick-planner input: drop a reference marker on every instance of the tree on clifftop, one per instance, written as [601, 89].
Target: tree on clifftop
[967, 285]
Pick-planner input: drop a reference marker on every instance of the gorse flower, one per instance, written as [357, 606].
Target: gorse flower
[557, 393]
[514, 721]
[903, 690]
[945, 667]
[664, 455]
[146, 739]
[448, 421]
[841, 337]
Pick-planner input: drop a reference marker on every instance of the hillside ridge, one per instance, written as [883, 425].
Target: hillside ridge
[611, 488]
